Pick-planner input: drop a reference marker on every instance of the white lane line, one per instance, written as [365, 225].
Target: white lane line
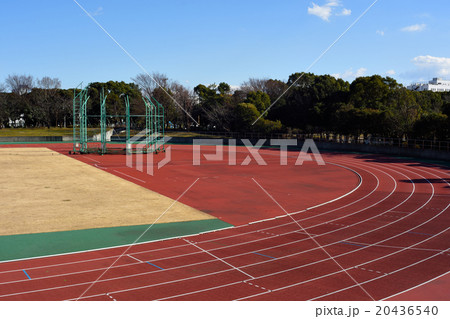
[371, 270]
[100, 167]
[398, 247]
[212, 288]
[162, 283]
[129, 176]
[111, 297]
[397, 212]
[417, 286]
[91, 159]
[134, 258]
[199, 291]
[220, 259]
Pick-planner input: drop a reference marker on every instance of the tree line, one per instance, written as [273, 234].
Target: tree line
[305, 103]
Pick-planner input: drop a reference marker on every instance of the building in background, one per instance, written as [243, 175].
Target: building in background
[435, 85]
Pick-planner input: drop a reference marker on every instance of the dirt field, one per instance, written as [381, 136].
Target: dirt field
[44, 191]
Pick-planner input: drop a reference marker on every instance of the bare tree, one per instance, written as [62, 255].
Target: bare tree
[47, 100]
[48, 83]
[2, 88]
[254, 84]
[148, 83]
[186, 98]
[20, 84]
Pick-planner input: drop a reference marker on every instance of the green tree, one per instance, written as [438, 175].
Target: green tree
[259, 99]
[245, 114]
[432, 126]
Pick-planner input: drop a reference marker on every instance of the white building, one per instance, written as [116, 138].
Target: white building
[435, 85]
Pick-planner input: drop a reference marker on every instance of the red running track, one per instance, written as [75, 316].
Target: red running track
[388, 235]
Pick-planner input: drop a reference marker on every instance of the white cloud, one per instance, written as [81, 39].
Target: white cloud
[380, 32]
[333, 3]
[436, 66]
[97, 12]
[328, 9]
[345, 12]
[323, 12]
[414, 28]
[349, 75]
[390, 72]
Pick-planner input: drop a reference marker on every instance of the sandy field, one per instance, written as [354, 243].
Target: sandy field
[44, 191]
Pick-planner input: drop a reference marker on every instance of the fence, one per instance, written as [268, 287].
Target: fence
[340, 139]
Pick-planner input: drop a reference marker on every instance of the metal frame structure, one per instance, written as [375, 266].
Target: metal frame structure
[103, 125]
[80, 100]
[154, 119]
[154, 125]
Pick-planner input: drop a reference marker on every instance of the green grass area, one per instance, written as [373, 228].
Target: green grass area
[34, 245]
[43, 131]
[60, 131]
[191, 134]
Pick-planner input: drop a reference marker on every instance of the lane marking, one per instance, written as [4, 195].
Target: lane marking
[353, 244]
[100, 167]
[111, 296]
[129, 176]
[417, 286]
[92, 159]
[154, 265]
[416, 233]
[25, 272]
[202, 290]
[254, 285]
[266, 233]
[219, 258]
[371, 270]
[134, 258]
[264, 255]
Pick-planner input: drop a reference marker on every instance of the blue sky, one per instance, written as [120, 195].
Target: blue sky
[198, 41]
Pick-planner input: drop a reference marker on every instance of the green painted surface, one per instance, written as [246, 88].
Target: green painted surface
[43, 244]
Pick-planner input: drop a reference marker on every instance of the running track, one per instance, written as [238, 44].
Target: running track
[390, 234]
